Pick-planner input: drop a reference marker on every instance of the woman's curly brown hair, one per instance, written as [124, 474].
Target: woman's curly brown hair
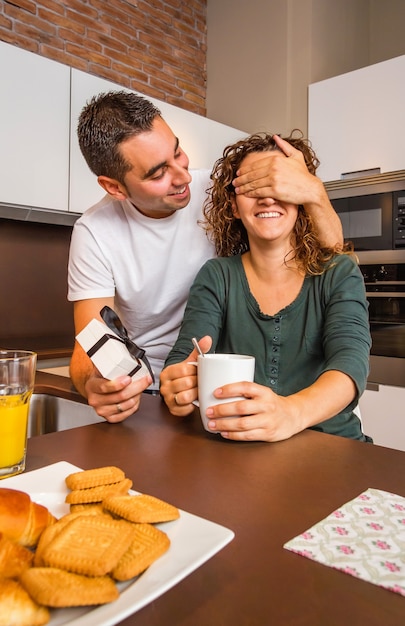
[229, 234]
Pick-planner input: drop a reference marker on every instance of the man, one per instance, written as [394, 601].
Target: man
[137, 251]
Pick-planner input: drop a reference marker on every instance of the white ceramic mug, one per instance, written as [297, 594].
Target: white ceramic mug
[216, 370]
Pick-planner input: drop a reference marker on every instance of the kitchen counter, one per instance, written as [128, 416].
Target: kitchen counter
[266, 493]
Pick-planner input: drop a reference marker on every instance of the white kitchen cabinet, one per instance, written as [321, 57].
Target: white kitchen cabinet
[383, 415]
[41, 165]
[34, 130]
[356, 120]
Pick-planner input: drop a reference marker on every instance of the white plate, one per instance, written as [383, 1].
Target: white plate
[193, 540]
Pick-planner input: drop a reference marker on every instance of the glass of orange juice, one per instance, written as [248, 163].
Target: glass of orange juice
[17, 377]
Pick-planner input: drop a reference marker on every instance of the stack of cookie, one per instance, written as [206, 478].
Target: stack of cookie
[90, 487]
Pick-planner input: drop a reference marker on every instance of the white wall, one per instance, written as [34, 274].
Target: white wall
[263, 54]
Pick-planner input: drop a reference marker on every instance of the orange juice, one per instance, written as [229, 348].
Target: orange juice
[13, 428]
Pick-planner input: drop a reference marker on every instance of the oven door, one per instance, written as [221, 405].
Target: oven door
[387, 325]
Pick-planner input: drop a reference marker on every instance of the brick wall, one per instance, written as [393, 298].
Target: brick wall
[157, 48]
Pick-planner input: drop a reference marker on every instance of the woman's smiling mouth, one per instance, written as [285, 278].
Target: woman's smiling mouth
[265, 214]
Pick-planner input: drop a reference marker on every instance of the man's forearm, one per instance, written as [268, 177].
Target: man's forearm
[81, 369]
[326, 221]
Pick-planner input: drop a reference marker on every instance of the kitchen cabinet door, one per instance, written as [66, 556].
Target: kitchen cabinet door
[34, 130]
[383, 415]
[356, 120]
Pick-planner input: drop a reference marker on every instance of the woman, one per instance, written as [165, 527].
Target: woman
[275, 293]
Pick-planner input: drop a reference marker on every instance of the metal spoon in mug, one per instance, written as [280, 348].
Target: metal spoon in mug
[197, 347]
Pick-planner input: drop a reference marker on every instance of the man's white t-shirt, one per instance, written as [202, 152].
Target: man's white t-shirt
[146, 264]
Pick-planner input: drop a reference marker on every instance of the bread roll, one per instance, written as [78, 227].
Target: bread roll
[21, 519]
[14, 559]
[17, 608]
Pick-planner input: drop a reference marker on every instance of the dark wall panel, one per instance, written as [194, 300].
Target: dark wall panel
[34, 311]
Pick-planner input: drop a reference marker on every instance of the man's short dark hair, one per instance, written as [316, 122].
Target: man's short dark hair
[108, 120]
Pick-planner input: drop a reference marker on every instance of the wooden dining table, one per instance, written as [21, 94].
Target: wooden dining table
[266, 493]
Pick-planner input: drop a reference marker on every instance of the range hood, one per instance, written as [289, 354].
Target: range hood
[35, 214]
[366, 184]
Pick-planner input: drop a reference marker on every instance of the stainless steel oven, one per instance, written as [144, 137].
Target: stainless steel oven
[372, 210]
[384, 278]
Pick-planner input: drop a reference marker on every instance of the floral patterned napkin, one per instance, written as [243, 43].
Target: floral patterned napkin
[364, 538]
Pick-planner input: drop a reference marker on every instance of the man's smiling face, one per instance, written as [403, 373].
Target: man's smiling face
[158, 183]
